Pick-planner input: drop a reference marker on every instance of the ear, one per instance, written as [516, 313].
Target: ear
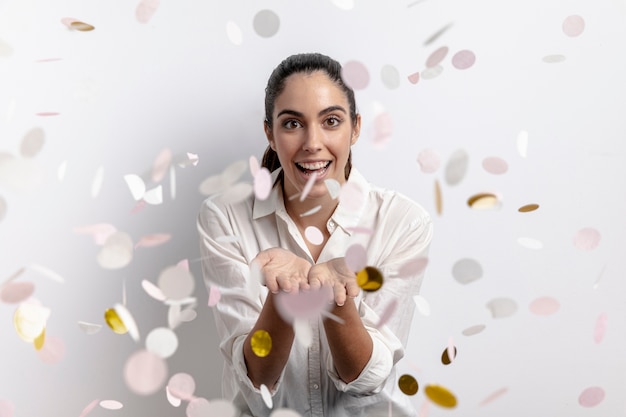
[356, 130]
[269, 135]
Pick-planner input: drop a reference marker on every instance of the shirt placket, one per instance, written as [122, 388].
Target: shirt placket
[314, 369]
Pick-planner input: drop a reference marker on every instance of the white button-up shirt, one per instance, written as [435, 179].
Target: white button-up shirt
[395, 233]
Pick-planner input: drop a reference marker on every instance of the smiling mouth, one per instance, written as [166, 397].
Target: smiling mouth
[314, 167]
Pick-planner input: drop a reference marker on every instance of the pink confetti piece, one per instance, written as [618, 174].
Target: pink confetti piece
[199, 407]
[262, 184]
[266, 395]
[150, 241]
[182, 386]
[161, 165]
[587, 239]
[254, 165]
[522, 143]
[429, 161]
[437, 56]
[599, 330]
[356, 257]
[145, 372]
[162, 341]
[355, 74]
[32, 143]
[388, 313]
[544, 306]
[89, 408]
[573, 25]
[451, 350]
[413, 267]
[553, 59]
[187, 315]
[495, 165]
[152, 290]
[214, 296]
[352, 197]
[16, 292]
[138, 207]
[111, 405]
[591, 397]
[308, 186]
[414, 78]
[463, 59]
[53, 350]
[432, 72]
[383, 129]
[145, 10]
[494, 396]
[314, 235]
[303, 305]
[47, 113]
[176, 283]
[183, 263]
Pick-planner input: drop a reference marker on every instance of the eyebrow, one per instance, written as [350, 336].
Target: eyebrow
[321, 113]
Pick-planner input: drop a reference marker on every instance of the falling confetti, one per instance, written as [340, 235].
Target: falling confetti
[114, 321]
[408, 384]
[61, 170]
[355, 74]
[162, 341]
[145, 10]
[599, 330]
[303, 305]
[438, 198]
[423, 306]
[528, 208]
[530, 243]
[383, 129]
[5, 49]
[544, 306]
[437, 56]
[456, 168]
[311, 211]
[53, 351]
[553, 59]
[199, 407]
[262, 183]
[502, 307]
[369, 279]
[111, 405]
[16, 292]
[303, 332]
[176, 402]
[308, 186]
[587, 239]
[573, 25]
[314, 235]
[214, 296]
[344, 4]
[522, 143]
[266, 23]
[222, 182]
[81, 26]
[117, 251]
[99, 231]
[96, 184]
[145, 372]
[429, 161]
[467, 270]
[153, 240]
[3, 208]
[356, 257]
[432, 72]
[440, 396]
[30, 320]
[463, 59]
[217, 407]
[334, 188]
[437, 34]
[136, 185]
[472, 330]
[89, 328]
[176, 283]
[266, 395]
[32, 143]
[495, 165]
[182, 386]
[591, 397]
[493, 396]
[390, 77]
[448, 355]
[161, 164]
[414, 78]
[261, 343]
[484, 201]
[40, 340]
[234, 33]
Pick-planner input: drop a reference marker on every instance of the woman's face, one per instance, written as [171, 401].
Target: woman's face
[312, 132]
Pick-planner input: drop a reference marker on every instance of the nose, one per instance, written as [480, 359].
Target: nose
[313, 139]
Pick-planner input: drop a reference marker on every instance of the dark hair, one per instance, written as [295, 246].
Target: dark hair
[302, 63]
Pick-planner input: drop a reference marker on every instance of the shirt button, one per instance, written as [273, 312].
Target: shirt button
[315, 386]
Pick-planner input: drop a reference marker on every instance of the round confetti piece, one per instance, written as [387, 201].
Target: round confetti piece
[145, 372]
[446, 356]
[436, 57]
[502, 307]
[463, 59]
[162, 341]
[600, 328]
[408, 384]
[483, 201]
[53, 351]
[262, 184]
[472, 330]
[117, 251]
[432, 72]
[423, 306]
[234, 33]
[413, 267]
[161, 164]
[429, 161]
[152, 290]
[587, 239]
[114, 321]
[314, 235]
[573, 25]
[266, 23]
[145, 10]
[30, 320]
[261, 343]
[456, 168]
[266, 395]
[369, 279]
[302, 305]
[467, 270]
[390, 77]
[495, 165]
[553, 59]
[344, 4]
[3, 208]
[111, 405]
[530, 243]
[16, 292]
[176, 283]
[7, 409]
[40, 340]
[182, 386]
[355, 75]
[414, 78]
[89, 328]
[528, 208]
[356, 257]
[440, 396]
[544, 306]
[188, 314]
[198, 407]
[32, 143]
[591, 397]
[522, 143]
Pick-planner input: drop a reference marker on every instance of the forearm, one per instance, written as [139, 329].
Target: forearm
[349, 342]
[266, 370]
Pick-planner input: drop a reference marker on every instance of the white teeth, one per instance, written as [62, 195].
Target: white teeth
[312, 166]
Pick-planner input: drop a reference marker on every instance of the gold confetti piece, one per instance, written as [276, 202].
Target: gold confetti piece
[30, 320]
[440, 396]
[81, 26]
[115, 323]
[528, 208]
[369, 279]
[445, 356]
[408, 384]
[438, 198]
[484, 201]
[40, 340]
[261, 343]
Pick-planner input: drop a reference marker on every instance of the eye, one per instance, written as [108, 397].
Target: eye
[333, 121]
[291, 124]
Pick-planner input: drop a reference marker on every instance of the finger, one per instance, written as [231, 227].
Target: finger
[340, 294]
[352, 289]
[271, 284]
[284, 283]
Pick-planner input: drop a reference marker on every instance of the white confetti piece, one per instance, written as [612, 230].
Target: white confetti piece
[146, 9]
[431, 73]
[214, 296]
[128, 320]
[522, 143]
[308, 186]
[530, 243]
[136, 185]
[356, 257]
[467, 270]
[162, 341]
[266, 396]
[236, 193]
[311, 211]
[117, 251]
[61, 171]
[32, 143]
[89, 328]
[173, 400]
[152, 290]
[96, 184]
[429, 161]
[456, 167]
[334, 188]
[254, 165]
[344, 4]
[176, 283]
[154, 195]
[233, 31]
[423, 306]
[472, 330]
[303, 332]
[182, 386]
[502, 307]
[47, 272]
[172, 182]
[30, 320]
[111, 405]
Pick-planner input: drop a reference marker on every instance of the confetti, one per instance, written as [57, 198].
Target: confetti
[214, 296]
[437, 56]
[383, 129]
[199, 407]
[173, 316]
[440, 396]
[145, 10]
[591, 397]
[81, 26]
[152, 290]
[408, 384]
[343, 5]
[162, 341]
[234, 33]
[261, 343]
[599, 330]
[493, 396]
[89, 408]
[5, 49]
[352, 197]
[3, 208]
[128, 320]
[432, 72]
[236, 193]
[423, 306]
[308, 186]
[495, 165]
[573, 25]
[222, 182]
[304, 305]
[530, 243]
[53, 351]
[32, 143]
[182, 386]
[334, 188]
[89, 328]
[114, 321]
[553, 59]
[472, 330]
[96, 184]
[266, 395]
[253, 162]
[502, 307]
[61, 170]
[355, 75]
[587, 239]
[99, 231]
[266, 23]
[484, 201]
[522, 143]
[303, 332]
[111, 405]
[429, 161]
[47, 113]
[176, 283]
[20, 174]
[528, 208]
[467, 270]
[356, 257]
[414, 78]
[16, 292]
[544, 306]
[153, 240]
[117, 251]
[413, 267]
[311, 211]
[217, 407]
[314, 235]
[145, 372]
[40, 340]
[437, 34]
[176, 402]
[438, 198]
[456, 168]
[463, 59]
[390, 77]
[30, 320]
[448, 355]
[369, 279]
[161, 163]
[263, 184]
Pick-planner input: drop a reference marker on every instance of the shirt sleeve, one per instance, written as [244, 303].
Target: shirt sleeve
[407, 243]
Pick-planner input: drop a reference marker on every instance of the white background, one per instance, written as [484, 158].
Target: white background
[127, 90]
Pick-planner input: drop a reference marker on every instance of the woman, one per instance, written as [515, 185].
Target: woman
[348, 366]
